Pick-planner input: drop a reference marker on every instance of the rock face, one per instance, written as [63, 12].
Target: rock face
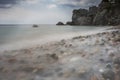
[107, 13]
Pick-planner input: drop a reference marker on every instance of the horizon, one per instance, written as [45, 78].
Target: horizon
[40, 11]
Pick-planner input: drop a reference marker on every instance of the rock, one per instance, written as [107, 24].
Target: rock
[54, 56]
[108, 73]
[100, 18]
[80, 17]
[94, 78]
[92, 11]
[60, 23]
[35, 26]
[84, 21]
[69, 23]
[117, 71]
[12, 60]
[107, 13]
[116, 60]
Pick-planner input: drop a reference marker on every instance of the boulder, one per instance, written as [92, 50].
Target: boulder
[69, 23]
[60, 23]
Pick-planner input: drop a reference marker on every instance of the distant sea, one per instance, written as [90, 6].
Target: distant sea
[23, 35]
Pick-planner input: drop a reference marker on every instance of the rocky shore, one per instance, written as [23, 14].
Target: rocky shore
[91, 57]
[106, 13]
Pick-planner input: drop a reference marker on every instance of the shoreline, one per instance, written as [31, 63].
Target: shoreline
[80, 57]
[24, 44]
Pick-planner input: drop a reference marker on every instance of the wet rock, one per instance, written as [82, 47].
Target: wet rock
[83, 55]
[0, 58]
[1, 68]
[82, 72]
[94, 78]
[101, 60]
[58, 69]
[4, 69]
[12, 60]
[117, 71]
[67, 74]
[60, 23]
[54, 56]
[108, 73]
[27, 69]
[116, 60]
[111, 55]
[69, 23]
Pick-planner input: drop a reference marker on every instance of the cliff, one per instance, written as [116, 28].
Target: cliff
[107, 13]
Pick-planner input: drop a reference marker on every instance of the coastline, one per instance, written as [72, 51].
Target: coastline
[75, 58]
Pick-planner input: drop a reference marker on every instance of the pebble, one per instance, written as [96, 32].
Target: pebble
[116, 60]
[82, 72]
[12, 60]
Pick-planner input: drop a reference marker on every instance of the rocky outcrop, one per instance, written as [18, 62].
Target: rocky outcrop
[60, 23]
[107, 13]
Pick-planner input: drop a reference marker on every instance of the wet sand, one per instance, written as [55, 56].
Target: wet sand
[79, 58]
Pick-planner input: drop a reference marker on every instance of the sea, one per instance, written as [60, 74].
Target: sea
[21, 36]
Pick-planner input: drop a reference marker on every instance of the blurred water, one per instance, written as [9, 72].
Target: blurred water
[10, 34]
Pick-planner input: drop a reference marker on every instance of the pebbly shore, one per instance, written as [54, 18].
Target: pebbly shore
[90, 57]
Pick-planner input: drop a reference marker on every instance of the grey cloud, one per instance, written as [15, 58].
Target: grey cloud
[7, 3]
[78, 3]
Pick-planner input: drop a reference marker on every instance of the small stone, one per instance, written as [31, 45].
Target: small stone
[117, 66]
[12, 60]
[82, 72]
[35, 70]
[0, 58]
[108, 73]
[1, 68]
[111, 55]
[67, 74]
[4, 70]
[54, 56]
[116, 60]
[101, 60]
[94, 77]
[83, 55]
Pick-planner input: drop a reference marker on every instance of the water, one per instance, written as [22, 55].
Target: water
[24, 35]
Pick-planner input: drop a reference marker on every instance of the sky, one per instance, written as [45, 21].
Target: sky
[40, 11]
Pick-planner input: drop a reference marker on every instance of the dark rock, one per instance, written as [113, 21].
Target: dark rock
[60, 23]
[79, 17]
[69, 23]
[116, 60]
[92, 11]
[84, 21]
[108, 73]
[107, 13]
[54, 56]
[101, 60]
[35, 25]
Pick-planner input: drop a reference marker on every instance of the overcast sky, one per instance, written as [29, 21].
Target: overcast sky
[40, 11]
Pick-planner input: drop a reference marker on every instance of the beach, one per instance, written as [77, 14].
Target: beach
[79, 57]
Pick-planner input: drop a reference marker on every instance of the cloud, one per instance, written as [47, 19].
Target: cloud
[7, 3]
[20, 15]
[52, 6]
[40, 11]
[32, 1]
[77, 3]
